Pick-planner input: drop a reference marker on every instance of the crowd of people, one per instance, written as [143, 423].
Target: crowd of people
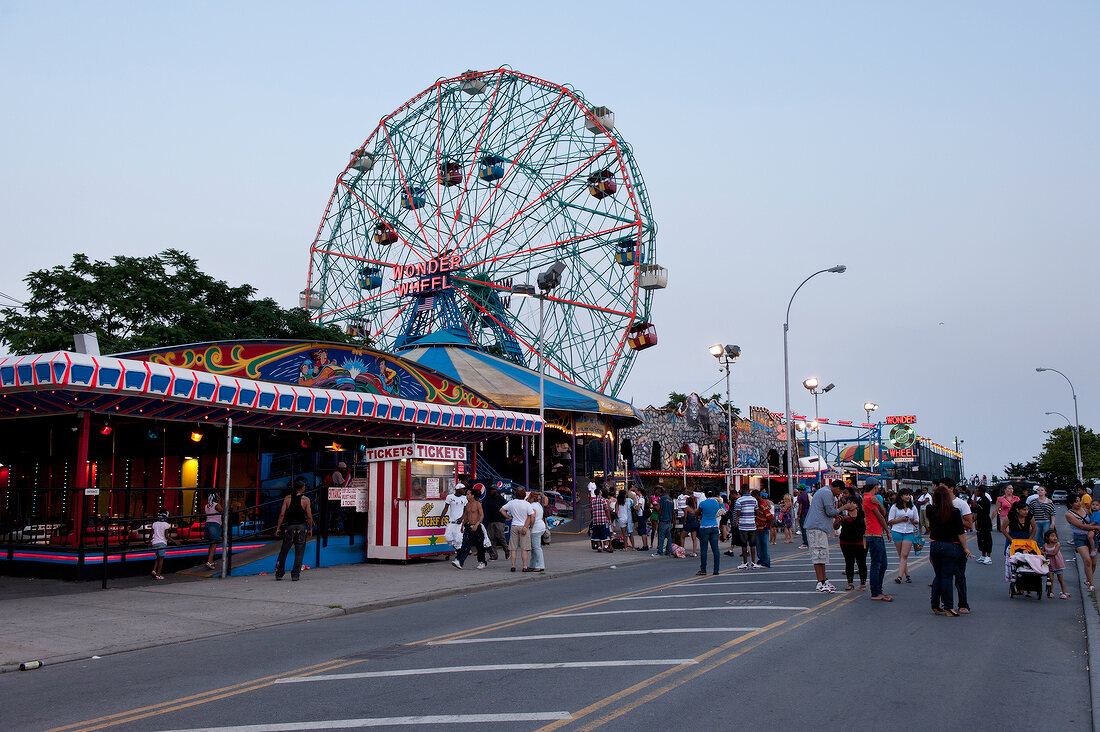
[955, 521]
[690, 524]
[477, 519]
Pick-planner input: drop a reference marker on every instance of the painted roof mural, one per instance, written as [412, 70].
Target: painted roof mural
[319, 365]
[698, 429]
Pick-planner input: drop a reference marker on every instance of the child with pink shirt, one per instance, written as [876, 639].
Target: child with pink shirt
[1052, 550]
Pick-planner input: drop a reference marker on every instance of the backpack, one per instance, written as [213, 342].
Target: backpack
[678, 551]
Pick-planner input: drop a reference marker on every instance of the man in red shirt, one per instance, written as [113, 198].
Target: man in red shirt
[875, 517]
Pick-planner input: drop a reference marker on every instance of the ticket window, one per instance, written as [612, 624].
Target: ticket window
[430, 479]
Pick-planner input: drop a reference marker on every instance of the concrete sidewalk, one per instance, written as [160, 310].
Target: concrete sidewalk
[53, 621]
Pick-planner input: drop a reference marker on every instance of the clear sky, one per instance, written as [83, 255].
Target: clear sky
[946, 152]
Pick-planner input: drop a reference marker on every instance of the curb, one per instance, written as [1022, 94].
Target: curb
[1092, 639]
[339, 612]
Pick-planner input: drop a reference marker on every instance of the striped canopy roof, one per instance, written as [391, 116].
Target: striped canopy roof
[62, 382]
[513, 386]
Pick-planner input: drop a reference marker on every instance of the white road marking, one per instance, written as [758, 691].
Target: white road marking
[386, 722]
[763, 582]
[493, 667]
[745, 572]
[676, 610]
[599, 634]
[720, 594]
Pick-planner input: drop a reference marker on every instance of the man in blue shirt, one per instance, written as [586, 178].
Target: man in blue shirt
[708, 530]
[666, 511]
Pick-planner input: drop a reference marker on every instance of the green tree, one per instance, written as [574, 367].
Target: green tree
[1055, 462]
[134, 303]
[1028, 470]
[675, 400]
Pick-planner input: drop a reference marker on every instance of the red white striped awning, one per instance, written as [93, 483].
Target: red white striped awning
[61, 382]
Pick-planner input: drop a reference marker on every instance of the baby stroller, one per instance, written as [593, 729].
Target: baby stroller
[1027, 568]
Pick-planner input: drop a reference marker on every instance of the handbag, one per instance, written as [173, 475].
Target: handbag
[546, 536]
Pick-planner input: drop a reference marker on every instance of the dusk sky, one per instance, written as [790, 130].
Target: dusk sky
[947, 153]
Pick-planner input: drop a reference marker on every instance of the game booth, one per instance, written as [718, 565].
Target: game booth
[405, 487]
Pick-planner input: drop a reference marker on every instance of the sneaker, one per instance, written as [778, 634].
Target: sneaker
[158, 576]
[728, 553]
[743, 565]
[455, 563]
[209, 565]
[819, 584]
[826, 587]
[294, 579]
[803, 546]
[278, 578]
[754, 565]
[481, 565]
[655, 555]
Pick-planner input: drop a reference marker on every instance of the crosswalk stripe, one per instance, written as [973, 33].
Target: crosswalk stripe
[491, 667]
[597, 634]
[386, 722]
[762, 582]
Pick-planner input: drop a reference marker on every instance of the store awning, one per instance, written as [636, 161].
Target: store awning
[64, 382]
[514, 386]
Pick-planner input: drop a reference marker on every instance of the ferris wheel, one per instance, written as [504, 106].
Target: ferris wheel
[478, 184]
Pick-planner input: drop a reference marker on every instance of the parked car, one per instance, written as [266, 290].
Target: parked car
[1059, 496]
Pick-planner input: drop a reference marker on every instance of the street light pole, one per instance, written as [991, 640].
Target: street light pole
[838, 269]
[542, 402]
[726, 355]
[812, 384]
[1076, 455]
[1076, 425]
[547, 281]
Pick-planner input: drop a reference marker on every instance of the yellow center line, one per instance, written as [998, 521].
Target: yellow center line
[686, 672]
[259, 683]
[207, 696]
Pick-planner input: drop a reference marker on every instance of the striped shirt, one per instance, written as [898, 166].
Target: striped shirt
[599, 510]
[746, 513]
[1043, 510]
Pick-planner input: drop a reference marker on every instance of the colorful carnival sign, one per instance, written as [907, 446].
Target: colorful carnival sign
[320, 365]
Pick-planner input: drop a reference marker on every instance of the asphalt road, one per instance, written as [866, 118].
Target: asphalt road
[648, 646]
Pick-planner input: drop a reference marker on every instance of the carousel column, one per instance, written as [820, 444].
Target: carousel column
[573, 467]
[81, 479]
[527, 460]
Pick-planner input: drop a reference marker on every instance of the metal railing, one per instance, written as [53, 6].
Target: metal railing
[114, 540]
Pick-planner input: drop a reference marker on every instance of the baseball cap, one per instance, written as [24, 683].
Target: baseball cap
[871, 481]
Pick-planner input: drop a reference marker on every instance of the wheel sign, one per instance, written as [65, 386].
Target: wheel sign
[902, 436]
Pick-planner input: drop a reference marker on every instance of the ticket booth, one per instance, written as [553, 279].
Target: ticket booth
[406, 485]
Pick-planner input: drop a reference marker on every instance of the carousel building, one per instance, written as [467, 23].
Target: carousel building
[95, 446]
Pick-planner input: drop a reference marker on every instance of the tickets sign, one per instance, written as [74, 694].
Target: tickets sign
[419, 451]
